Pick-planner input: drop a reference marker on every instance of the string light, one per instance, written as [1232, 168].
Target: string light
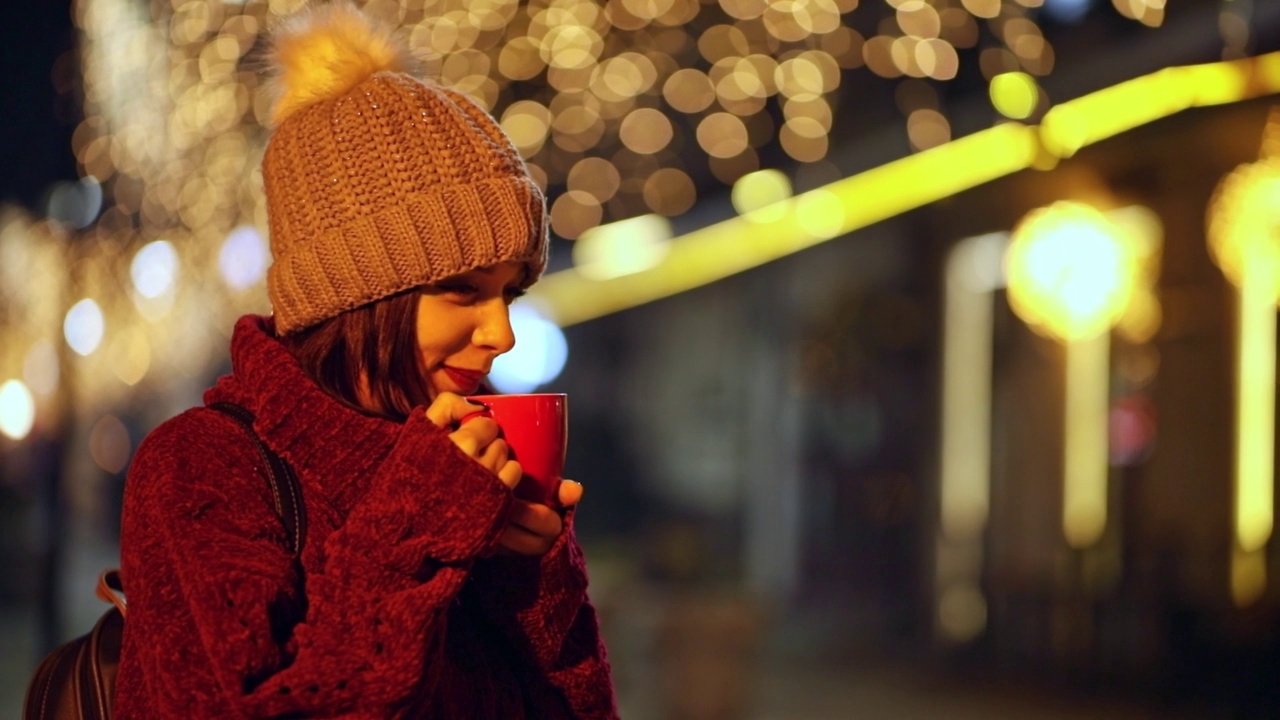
[617, 106]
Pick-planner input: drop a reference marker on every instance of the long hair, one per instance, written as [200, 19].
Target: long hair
[375, 344]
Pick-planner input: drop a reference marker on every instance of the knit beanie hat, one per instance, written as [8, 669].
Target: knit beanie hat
[376, 181]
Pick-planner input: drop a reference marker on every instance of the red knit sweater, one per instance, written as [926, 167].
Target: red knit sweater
[393, 610]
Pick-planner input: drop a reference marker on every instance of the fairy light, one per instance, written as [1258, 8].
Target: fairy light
[617, 107]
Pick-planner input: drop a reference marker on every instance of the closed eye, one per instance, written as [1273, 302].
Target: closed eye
[515, 293]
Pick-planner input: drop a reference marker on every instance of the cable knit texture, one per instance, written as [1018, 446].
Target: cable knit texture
[392, 609]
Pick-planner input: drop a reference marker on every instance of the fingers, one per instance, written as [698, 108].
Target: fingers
[531, 530]
[475, 437]
[449, 408]
[536, 518]
[569, 493]
[510, 473]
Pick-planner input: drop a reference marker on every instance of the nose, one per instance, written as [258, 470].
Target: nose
[493, 326]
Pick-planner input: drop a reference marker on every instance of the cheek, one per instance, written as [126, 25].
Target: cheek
[441, 331]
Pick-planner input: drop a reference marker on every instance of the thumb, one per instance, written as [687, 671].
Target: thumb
[569, 493]
[450, 408]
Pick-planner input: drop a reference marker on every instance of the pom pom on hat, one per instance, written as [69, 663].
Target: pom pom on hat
[325, 51]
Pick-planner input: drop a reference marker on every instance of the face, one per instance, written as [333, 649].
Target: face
[463, 324]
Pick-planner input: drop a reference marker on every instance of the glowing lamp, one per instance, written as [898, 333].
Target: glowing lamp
[1243, 223]
[1071, 274]
[1243, 226]
[17, 409]
[1071, 271]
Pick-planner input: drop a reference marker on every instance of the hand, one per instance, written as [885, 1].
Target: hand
[477, 437]
[533, 527]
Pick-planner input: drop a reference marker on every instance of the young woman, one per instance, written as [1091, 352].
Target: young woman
[403, 224]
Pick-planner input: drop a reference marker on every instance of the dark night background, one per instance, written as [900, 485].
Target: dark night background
[37, 121]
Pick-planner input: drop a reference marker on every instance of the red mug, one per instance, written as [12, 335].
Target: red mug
[536, 428]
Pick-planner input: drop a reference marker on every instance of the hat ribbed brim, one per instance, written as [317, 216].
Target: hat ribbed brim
[424, 238]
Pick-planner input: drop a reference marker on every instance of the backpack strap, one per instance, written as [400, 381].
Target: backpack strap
[286, 491]
[111, 590]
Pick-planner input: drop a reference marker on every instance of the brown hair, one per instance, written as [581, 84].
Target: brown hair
[374, 343]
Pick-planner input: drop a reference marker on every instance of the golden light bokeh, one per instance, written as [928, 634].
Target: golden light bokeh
[616, 105]
[1015, 95]
[1071, 271]
[1243, 223]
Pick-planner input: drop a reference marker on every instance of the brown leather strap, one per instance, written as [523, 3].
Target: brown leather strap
[111, 590]
[97, 663]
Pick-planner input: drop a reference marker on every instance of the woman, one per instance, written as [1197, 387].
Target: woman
[403, 223]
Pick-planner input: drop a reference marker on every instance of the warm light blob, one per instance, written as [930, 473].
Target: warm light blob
[1071, 274]
[83, 327]
[759, 195]
[1014, 94]
[154, 269]
[622, 248]
[1244, 220]
[17, 409]
[1085, 465]
[244, 258]
[973, 273]
[1256, 407]
[1071, 271]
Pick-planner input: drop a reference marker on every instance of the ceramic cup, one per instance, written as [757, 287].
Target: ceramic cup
[536, 427]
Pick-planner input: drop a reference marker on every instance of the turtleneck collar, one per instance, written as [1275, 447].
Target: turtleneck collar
[328, 444]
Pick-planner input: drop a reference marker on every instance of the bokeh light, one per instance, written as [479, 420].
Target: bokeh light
[1014, 94]
[40, 368]
[758, 195]
[621, 109]
[1067, 11]
[622, 248]
[244, 258]
[154, 269]
[1071, 271]
[84, 326]
[927, 128]
[109, 444]
[17, 409]
[962, 612]
[76, 203]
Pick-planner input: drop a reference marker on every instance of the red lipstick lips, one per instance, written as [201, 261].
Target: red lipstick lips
[466, 380]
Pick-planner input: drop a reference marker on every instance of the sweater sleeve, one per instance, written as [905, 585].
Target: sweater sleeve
[542, 605]
[358, 642]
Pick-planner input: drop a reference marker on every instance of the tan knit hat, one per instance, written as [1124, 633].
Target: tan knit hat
[377, 182]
